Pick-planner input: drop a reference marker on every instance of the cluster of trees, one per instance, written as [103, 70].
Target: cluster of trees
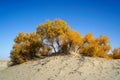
[56, 37]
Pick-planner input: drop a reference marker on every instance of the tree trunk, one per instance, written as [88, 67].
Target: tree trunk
[54, 49]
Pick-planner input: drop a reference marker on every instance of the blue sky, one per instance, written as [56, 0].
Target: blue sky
[84, 16]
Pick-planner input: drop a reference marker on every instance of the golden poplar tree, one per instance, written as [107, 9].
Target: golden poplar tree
[95, 46]
[50, 32]
[71, 41]
[26, 47]
[116, 53]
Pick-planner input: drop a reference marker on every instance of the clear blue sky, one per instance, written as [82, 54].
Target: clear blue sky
[95, 16]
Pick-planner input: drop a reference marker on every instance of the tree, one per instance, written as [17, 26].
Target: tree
[95, 46]
[51, 31]
[88, 39]
[116, 53]
[26, 47]
[104, 43]
[88, 46]
[71, 41]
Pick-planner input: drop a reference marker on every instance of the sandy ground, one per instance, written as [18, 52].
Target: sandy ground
[64, 68]
[3, 65]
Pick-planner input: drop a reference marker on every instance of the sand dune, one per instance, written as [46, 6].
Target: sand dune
[3, 65]
[64, 68]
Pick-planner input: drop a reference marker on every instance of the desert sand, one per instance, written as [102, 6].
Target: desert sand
[64, 68]
[3, 65]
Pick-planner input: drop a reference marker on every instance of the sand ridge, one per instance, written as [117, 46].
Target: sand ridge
[64, 68]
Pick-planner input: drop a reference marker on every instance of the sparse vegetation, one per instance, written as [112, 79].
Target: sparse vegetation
[57, 37]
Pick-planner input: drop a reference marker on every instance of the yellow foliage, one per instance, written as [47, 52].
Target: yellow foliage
[95, 47]
[25, 48]
[71, 40]
[116, 53]
[103, 40]
[51, 31]
[56, 36]
[19, 38]
[75, 39]
[88, 38]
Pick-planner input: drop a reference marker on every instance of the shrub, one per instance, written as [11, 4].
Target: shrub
[26, 47]
[95, 47]
[72, 41]
[116, 53]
